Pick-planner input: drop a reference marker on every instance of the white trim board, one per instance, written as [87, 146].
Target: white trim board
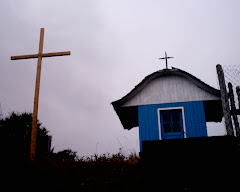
[171, 108]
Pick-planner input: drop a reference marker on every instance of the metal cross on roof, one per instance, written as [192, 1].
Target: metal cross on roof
[166, 57]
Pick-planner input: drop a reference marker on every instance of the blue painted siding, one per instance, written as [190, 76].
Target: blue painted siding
[195, 121]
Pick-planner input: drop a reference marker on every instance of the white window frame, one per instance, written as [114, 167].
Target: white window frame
[171, 108]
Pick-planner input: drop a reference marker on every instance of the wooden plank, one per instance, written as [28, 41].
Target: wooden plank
[56, 54]
[24, 57]
[43, 55]
[233, 109]
[36, 97]
[238, 94]
[225, 103]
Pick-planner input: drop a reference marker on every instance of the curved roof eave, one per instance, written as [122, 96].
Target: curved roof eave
[166, 72]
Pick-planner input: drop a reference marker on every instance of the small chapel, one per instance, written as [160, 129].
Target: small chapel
[169, 104]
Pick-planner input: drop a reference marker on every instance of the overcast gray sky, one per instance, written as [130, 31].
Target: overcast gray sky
[114, 45]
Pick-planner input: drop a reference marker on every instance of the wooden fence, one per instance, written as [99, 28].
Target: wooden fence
[228, 103]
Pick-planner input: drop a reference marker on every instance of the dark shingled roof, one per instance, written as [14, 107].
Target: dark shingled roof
[129, 115]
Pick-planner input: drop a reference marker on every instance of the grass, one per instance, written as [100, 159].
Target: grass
[96, 173]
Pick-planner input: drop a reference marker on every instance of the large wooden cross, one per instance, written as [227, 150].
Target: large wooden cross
[166, 58]
[40, 55]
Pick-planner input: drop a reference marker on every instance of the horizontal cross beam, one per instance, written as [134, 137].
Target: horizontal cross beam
[41, 55]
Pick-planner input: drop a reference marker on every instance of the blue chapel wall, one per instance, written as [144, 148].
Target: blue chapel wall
[195, 121]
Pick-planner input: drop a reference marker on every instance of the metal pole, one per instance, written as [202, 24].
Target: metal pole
[166, 60]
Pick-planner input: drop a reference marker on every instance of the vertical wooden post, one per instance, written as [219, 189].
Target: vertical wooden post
[238, 94]
[225, 103]
[233, 109]
[35, 108]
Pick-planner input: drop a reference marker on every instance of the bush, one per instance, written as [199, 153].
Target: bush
[96, 173]
[16, 137]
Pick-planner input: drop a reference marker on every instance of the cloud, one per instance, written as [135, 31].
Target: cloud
[114, 45]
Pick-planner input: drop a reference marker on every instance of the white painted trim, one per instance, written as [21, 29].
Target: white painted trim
[171, 108]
